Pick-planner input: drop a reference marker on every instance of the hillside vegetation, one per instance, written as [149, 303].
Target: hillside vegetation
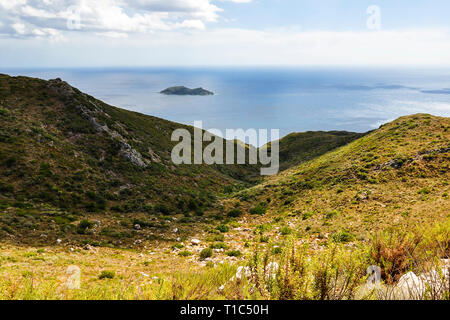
[299, 147]
[69, 161]
[89, 186]
[397, 175]
[64, 155]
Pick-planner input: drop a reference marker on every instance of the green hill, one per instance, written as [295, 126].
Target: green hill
[397, 175]
[65, 154]
[299, 147]
[74, 167]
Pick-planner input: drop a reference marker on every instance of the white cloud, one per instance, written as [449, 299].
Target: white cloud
[107, 16]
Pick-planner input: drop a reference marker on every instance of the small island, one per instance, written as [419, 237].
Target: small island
[183, 91]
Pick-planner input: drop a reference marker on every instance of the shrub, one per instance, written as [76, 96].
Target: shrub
[177, 246]
[331, 214]
[223, 228]
[206, 253]
[424, 191]
[234, 213]
[285, 230]
[6, 188]
[259, 210]
[162, 208]
[4, 112]
[219, 245]
[185, 253]
[83, 226]
[342, 237]
[107, 275]
[307, 215]
[277, 250]
[234, 253]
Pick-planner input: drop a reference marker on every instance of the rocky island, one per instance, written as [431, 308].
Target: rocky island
[183, 91]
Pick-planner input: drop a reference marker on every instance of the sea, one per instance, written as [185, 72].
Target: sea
[294, 99]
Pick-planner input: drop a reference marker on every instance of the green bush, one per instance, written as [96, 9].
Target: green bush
[342, 237]
[223, 228]
[234, 213]
[285, 230]
[4, 112]
[6, 188]
[185, 253]
[219, 245]
[331, 214]
[277, 250]
[307, 215]
[424, 191]
[206, 253]
[234, 253]
[259, 210]
[83, 226]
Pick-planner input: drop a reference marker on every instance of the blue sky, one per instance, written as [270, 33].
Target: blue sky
[338, 15]
[75, 33]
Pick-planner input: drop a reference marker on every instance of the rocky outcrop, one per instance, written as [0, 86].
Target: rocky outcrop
[90, 111]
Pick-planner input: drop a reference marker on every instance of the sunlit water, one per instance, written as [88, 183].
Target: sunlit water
[297, 99]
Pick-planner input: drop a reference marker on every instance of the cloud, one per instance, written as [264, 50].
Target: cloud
[20, 17]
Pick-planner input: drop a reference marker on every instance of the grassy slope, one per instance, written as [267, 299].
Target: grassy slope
[395, 176]
[64, 154]
[299, 147]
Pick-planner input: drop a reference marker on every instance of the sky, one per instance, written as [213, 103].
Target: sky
[119, 33]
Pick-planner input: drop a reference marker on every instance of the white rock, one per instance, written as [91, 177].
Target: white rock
[175, 230]
[221, 288]
[410, 287]
[243, 272]
[195, 242]
[58, 241]
[272, 269]
[144, 274]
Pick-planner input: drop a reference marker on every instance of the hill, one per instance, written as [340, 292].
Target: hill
[66, 156]
[299, 147]
[394, 176]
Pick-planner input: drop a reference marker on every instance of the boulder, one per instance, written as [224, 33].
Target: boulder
[410, 287]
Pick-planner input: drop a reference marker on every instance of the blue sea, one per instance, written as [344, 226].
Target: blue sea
[288, 99]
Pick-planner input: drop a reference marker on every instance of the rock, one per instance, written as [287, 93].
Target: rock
[87, 247]
[175, 230]
[58, 241]
[144, 274]
[410, 287]
[195, 242]
[243, 272]
[221, 288]
[272, 269]
[137, 227]
[132, 155]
